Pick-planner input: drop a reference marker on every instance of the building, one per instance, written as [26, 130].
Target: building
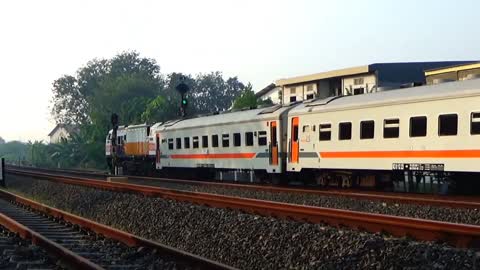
[271, 92]
[61, 131]
[355, 80]
[453, 73]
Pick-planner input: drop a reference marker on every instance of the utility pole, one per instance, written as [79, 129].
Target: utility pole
[2, 172]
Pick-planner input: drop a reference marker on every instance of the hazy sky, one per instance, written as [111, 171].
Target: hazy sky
[258, 41]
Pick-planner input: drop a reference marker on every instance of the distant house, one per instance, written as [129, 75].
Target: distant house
[61, 131]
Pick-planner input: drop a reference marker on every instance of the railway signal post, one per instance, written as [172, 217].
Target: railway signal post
[183, 88]
[114, 122]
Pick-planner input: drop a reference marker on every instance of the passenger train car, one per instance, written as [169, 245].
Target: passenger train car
[406, 139]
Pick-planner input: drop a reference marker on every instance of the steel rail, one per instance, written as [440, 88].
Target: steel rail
[67, 257]
[459, 235]
[112, 233]
[424, 199]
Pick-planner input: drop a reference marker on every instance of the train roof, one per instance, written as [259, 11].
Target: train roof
[405, 95]
[226, 118]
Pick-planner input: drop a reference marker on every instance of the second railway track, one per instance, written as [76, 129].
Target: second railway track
[460, 235]
[221, 187]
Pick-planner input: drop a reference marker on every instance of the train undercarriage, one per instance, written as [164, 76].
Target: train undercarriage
[396, 180]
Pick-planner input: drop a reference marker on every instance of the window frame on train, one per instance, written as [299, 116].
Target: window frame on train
[237, 139]
[344, 131]
[414, 130]
[325, 129]
[391, 128]
[367, 132]
[475, 123]
[195, 142]
[178, 143]
[262, 138]
[205, 141]
[249, 140]
[443, 125]
[215, 140]
[225, 140]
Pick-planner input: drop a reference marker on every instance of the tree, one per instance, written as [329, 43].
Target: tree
[132, 87]
[212, 93]
[248, 100]
[2, 141]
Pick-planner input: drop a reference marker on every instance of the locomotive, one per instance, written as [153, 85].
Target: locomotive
[420, 139]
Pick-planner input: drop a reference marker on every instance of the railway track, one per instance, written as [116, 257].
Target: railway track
[417, 199]
[459, 235]
[84, 244]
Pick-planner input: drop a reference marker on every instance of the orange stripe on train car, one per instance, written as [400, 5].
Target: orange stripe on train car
[404, 154]
[206, 156]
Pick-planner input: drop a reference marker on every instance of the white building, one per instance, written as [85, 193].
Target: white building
[61, 131]
[351, 81]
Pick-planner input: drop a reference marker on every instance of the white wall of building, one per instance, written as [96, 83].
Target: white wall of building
[359, 84]
[58, 135]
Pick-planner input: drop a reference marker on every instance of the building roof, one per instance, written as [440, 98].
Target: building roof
[453, 68]
[69, 128]
[389, 72]
[323, 75]
[382, 98]
[265, 90]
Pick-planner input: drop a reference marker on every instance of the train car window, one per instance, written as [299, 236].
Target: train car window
[345, 131]
[262, 137]
[170, 144]
[475, 123]
[295, 133]
[367, 129]
[214, 140]
[418, 126]
[237, 139]
[186, 142]
[447, 125]
[248, 138]
[179, 143]
[306, 128]
[391, 128]
[325, 132]
[225, 140]
[195, 142]
[204, 141]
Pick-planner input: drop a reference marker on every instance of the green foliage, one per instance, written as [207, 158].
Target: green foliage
[132, 87]
[248, 100]
[14, 152]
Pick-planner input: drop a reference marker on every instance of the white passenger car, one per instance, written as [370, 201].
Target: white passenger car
[248, 140]
[430, 128]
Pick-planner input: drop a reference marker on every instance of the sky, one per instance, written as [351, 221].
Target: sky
[258, 41]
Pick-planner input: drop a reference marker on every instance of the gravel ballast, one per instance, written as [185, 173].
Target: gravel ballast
[242, 240]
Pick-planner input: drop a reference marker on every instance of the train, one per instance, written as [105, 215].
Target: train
[418, 139]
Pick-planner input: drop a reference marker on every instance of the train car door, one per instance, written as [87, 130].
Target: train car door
[157, 148]
[294, 142]
[273, 143]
